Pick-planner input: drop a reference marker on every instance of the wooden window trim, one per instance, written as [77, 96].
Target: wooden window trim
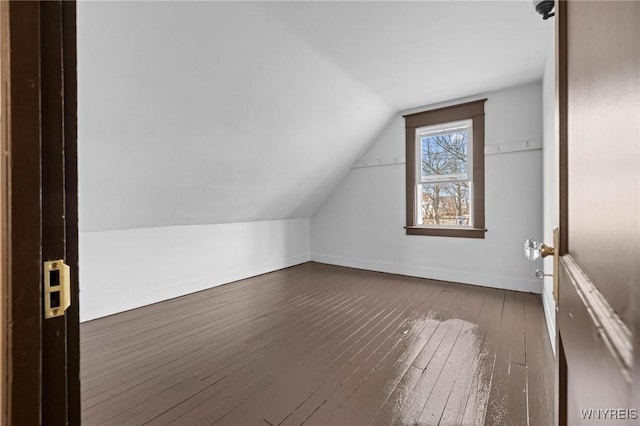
[470, 110]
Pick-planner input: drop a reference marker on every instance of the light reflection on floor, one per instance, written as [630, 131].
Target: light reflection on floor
[425, 376]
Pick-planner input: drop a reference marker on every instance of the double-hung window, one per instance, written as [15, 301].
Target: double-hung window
[445, 171]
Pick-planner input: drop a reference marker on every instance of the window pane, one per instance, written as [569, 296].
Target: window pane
[444, 152]
[445, 204]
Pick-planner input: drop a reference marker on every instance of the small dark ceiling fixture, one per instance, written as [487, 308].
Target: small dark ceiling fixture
[544, 8]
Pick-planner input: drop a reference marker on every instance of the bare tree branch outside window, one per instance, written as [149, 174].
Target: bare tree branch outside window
[444, 162]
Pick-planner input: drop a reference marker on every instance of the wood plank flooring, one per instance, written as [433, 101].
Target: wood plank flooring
[322, 345]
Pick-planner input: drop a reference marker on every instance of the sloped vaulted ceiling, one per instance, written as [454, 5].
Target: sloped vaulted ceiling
[193, 113]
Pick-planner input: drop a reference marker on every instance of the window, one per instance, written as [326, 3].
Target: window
[445, 171]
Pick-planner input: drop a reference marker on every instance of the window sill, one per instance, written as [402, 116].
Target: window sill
[446, 232]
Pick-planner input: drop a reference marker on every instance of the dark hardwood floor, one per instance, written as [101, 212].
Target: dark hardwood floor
[317, 344]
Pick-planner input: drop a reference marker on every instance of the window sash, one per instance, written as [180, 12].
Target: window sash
[418, 206]
[445, 179]
[441, 129]
[444, 128]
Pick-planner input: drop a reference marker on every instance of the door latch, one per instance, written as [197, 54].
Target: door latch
[57, 296]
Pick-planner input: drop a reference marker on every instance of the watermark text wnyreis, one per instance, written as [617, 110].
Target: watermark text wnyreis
[609, 413]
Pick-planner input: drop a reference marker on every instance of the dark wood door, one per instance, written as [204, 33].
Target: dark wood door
[599, 274]
[43, 358]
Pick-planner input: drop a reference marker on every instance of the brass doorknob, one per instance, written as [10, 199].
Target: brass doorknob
[533, 249]
[545, 250]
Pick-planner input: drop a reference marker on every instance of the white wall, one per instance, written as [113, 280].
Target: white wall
[126, 269]
[209, 112]
[184, 107]
[361, 222]
[550, 183]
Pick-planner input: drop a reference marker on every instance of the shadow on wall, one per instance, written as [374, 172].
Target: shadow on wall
[122, 270]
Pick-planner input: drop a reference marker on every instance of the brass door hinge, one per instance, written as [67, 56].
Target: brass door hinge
[57, 297]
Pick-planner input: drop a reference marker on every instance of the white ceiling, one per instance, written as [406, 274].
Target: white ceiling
[218, 112]
[422, 52]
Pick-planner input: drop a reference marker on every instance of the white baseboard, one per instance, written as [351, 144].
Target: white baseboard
[550, 315]
[495, 281]
[150, 295]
